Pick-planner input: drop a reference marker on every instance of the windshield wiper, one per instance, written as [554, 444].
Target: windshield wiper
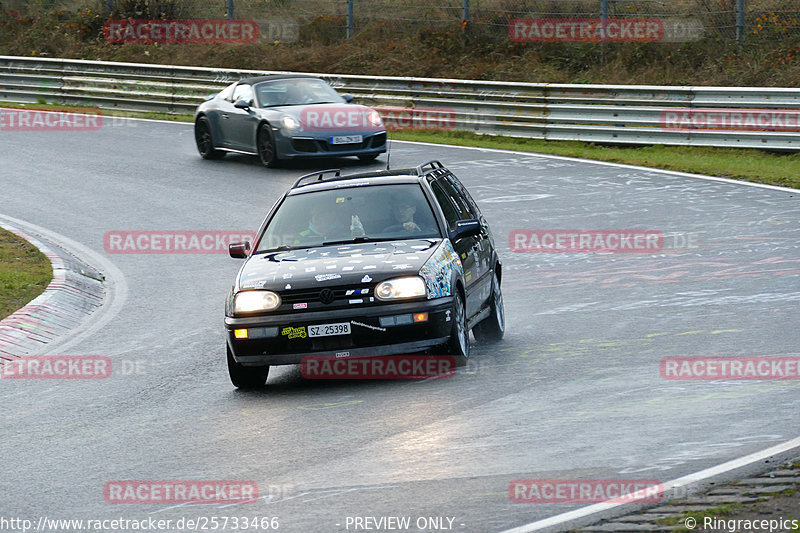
[283, 248]
[356, 240]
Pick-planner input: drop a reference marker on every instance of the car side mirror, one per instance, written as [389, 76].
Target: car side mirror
[348, 98]
[465, 228]
[242, 104]
[239, 250]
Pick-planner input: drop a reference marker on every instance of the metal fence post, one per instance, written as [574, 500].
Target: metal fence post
[230, 9]
[604, 16]
[110, 6]
[351, 25]
[740, 21]
[465, 11]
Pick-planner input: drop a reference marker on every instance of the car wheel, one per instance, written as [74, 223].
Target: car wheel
[266, 147]
[246, 377]
[458, 345]
[491, 328]
[366, 158]
[204, 140]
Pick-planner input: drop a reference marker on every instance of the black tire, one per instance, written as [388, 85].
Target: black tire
[204, 140]
[492, 328]
[266, 146]
[246, 377]
[366, 158]
[458, 345]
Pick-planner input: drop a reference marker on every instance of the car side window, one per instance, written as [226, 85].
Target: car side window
[227, 92]
[463, 209]
[243, 92]
[451, 215]
[465, 197]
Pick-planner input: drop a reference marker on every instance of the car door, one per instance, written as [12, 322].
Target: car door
[239, 125]
[222, 106]
[485, 242]
[467, 247]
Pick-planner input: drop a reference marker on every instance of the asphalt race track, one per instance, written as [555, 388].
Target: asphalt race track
[573, 392]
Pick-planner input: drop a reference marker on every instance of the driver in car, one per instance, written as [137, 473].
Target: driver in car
[403, 212]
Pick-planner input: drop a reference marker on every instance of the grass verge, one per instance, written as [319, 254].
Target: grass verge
[25, 272]
[713, 512]
[757, 166]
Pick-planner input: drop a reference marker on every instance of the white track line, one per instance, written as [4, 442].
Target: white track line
[116, 285]
[610, 164]
[560, 520]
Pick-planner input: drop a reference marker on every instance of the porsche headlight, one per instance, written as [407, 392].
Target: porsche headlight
[250, 301]
[290, 123]
[408, 287]
[374, 118]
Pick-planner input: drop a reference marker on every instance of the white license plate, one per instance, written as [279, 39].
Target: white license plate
[347, 139]
[326, 330]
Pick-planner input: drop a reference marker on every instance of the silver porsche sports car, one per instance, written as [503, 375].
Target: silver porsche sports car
[285, 117]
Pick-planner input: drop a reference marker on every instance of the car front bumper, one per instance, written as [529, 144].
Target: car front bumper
[284, 340]
[319, 146]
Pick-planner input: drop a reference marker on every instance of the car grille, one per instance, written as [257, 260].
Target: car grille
[378, 140]
[315, 298]
[319, 145]
[305, 145]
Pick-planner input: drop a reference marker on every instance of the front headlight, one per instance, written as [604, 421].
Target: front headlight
[250, 301]
[392, 289]
[290, 123]
[374, 118]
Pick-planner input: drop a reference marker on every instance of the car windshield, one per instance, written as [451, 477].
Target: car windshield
[350, 215]
[296, 92]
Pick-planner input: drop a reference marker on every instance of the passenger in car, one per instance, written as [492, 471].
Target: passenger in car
[330, 224]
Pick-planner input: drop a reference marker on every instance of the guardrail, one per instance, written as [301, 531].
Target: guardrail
[627, 114]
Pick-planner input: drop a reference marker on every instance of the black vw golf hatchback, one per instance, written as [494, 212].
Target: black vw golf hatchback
[378, 263]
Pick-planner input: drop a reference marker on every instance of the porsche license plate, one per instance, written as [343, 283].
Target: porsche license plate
[347, 139]
[326, 330]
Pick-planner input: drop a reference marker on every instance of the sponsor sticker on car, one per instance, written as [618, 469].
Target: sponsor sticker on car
[293, 333]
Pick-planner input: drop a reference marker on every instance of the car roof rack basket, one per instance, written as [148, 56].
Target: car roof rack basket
[431, 169]
[433, 164]
[318, 176]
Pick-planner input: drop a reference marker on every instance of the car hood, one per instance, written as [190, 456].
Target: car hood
[335, 265]
[331, 118]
